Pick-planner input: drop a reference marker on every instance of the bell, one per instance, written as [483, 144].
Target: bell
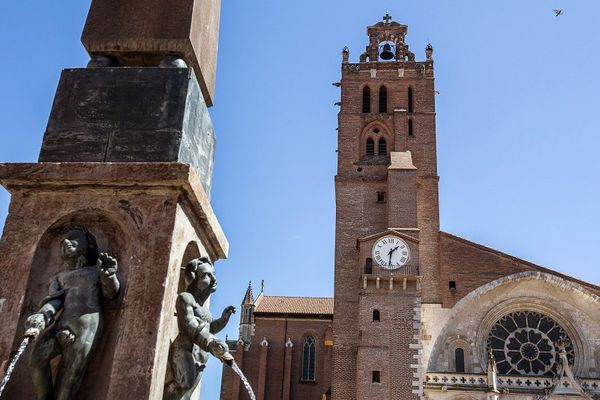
[386, 53]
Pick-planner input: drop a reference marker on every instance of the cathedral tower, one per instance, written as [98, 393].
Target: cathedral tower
[387, 222]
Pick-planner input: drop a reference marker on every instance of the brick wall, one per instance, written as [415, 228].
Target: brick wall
[359, 215]
[471, 265]
[277, 330]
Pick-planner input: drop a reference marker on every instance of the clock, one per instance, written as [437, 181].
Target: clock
[391, 252]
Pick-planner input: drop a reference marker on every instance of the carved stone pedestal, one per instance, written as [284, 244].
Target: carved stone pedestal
[130, 115]
[153, 217]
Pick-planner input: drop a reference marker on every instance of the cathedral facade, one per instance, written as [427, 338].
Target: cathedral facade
[417, 312]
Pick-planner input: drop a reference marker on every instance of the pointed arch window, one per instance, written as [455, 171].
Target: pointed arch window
[366, 100]
[382, 147]
[309, 359]
[459, 360]
[410, 100]
[383, 100]
[370, 147]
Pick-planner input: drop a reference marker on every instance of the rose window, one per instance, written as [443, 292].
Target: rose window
[524, 343]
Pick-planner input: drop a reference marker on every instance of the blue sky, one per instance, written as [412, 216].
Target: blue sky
[517, 126]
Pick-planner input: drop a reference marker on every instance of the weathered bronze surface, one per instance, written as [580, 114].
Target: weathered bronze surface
[196, 339]
[69, 322]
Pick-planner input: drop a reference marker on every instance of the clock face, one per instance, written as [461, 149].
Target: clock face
[391, 252]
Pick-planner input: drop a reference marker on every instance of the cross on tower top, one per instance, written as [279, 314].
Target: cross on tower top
[387, 17]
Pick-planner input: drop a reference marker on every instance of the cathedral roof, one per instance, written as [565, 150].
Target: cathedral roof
[294, 305]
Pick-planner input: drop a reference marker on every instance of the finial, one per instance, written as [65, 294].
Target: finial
[262, 286]
[249, 296]
[492, 372]
[345, 54]
[429, 52]
[387, 17]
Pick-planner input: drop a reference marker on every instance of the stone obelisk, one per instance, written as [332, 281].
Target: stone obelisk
[128, 155]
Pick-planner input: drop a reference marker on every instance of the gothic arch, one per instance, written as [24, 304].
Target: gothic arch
[383, 100]
[309, 332]
[369, 131]
[306, 359]
[453, 343]
[532, 291]
[366, 99]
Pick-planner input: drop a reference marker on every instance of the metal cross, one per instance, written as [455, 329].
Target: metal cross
[387, 18]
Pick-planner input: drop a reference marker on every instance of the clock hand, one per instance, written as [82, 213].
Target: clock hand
[391, 252]
[390, 257]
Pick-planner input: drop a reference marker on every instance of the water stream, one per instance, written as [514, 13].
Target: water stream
[11, 367]
[26, 341]
[238, 371]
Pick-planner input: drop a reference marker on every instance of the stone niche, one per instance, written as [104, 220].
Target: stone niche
[111, 238]
[151, 217]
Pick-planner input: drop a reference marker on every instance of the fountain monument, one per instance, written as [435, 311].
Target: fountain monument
[107, 251]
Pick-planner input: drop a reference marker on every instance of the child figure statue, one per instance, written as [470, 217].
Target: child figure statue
[196, 340]
[69, 322]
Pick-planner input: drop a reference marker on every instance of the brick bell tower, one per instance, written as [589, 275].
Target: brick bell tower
[387, 223]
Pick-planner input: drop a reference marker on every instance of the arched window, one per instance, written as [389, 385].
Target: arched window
[382, 150]
[410, 127]
[309, 359]
[369, 266]
[459, 360]
[382, 100]
[366, 103]
[410, 100]
[370, 147]
[376, 315]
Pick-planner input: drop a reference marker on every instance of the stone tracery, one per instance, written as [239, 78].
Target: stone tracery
[524, 343]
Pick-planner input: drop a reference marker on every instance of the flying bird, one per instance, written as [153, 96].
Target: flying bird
[557, 12]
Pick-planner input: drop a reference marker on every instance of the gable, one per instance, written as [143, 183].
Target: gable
[471, 265]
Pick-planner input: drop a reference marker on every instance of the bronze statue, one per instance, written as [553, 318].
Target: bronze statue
[69, 322]
[196, 340]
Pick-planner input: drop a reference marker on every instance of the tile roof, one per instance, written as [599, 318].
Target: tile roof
[294, 305]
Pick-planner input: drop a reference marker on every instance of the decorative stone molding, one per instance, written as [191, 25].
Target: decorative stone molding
[534, 305]
[478, 382]
[459, 341]
[571, 305]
